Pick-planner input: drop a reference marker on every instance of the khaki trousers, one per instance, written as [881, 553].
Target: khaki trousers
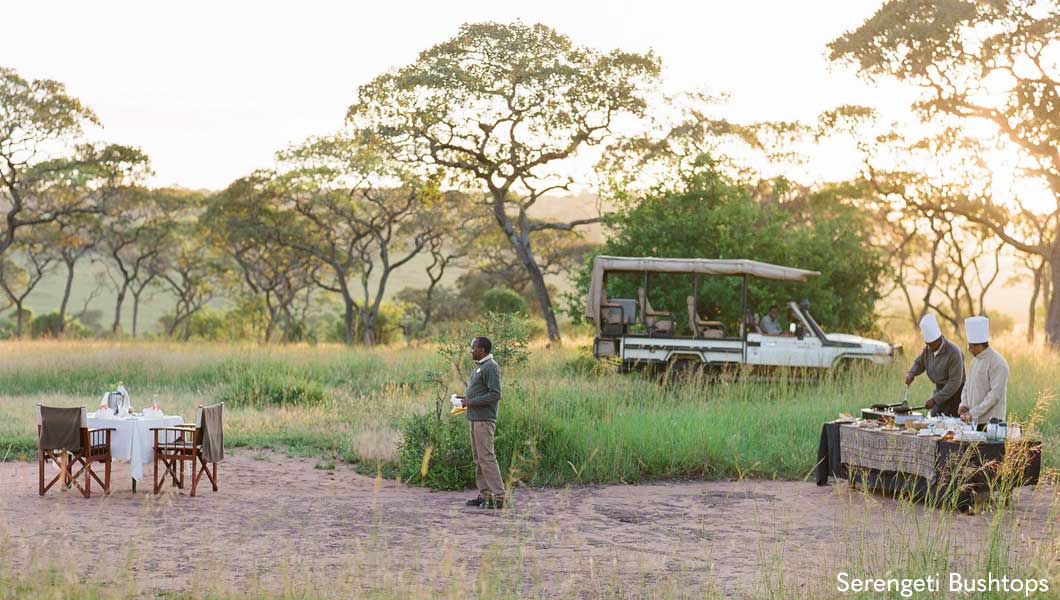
[487, 473]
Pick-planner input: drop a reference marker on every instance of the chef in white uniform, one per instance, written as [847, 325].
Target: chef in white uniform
[984, 390]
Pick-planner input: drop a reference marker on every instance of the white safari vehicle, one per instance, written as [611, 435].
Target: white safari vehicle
[638, 333]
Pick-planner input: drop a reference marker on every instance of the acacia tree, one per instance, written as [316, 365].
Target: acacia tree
[189, 270]
[944, 260]
[135, 233]
[35, 114]
[343, 203]
[991, 62]
[20, 276]
[44, 173]
[464, 226]
[502, 107]
[683, 136]
[273, 274]
[77, 236]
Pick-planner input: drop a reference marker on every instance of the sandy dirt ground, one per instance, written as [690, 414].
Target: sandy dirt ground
[278, 518]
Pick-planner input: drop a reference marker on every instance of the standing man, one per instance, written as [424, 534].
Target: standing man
[481, 399]
[984, 392]
[769, 325]
[944, 364]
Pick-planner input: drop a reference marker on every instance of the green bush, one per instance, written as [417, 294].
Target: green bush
[387, 325]
[505, 301]
[584, 364]
[510, 335]
[47, 326]
[521, 439]
[268, 389]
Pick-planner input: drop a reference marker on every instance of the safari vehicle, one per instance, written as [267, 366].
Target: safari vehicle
[637, 333]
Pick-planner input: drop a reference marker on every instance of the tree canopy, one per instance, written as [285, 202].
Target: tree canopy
[500, 108]
[709, 216]
[996, 63]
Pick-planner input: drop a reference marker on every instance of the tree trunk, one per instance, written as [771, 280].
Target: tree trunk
[18, 319]
[66, 297]
[521, 244]
[1052, 318]
[172, 330]
[427, 307]
[136, 312]
[537, 279]
[116, 326]
[348, 319]
[368, 335]
[269, 326]
[1047, 288]
[1033, 305]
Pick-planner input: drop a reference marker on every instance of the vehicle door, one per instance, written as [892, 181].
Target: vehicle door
[786, 350]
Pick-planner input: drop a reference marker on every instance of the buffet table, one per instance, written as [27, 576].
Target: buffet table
[929, 468]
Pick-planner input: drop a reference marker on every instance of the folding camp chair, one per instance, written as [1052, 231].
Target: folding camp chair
[63, 437]
[201, 444]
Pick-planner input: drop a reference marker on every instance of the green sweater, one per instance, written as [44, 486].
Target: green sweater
[484, 391]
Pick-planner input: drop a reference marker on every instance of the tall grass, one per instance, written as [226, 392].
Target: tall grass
[601, 427]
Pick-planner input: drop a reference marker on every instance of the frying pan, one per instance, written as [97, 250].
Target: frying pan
[903, 404]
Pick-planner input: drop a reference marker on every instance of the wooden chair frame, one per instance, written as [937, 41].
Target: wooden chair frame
[95, 448]
[179, 450]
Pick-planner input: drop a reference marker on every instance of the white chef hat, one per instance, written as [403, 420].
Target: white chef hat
[929, 326]
[978, 329]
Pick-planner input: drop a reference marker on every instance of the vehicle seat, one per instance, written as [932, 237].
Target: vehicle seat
[657, 322]
[701, 328]
[616, 314]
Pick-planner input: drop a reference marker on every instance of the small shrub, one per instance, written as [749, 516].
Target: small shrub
[387, 325]
[266, 389]
[47, 326]
[519, 433]
[504, 301]
[510, 335]
[584, 364]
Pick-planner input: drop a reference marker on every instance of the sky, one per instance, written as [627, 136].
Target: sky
[210, 90]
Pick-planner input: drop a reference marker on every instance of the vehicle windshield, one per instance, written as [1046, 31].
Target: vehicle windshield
[805, 311]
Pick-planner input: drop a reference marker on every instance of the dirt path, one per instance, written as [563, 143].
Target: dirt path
[277, 519]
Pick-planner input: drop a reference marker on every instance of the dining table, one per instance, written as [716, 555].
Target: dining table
[132, 439]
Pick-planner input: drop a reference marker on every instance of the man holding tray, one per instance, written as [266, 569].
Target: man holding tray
[481, 399]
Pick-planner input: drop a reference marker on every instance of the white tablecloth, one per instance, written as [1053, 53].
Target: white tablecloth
[132, 439]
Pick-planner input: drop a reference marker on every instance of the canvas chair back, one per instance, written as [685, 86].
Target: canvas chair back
[211, 420]
[60, 428]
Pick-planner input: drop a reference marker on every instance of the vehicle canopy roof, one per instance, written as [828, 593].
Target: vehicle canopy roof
[704, 266]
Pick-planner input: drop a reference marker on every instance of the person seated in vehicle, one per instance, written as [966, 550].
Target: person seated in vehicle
[770, 324]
